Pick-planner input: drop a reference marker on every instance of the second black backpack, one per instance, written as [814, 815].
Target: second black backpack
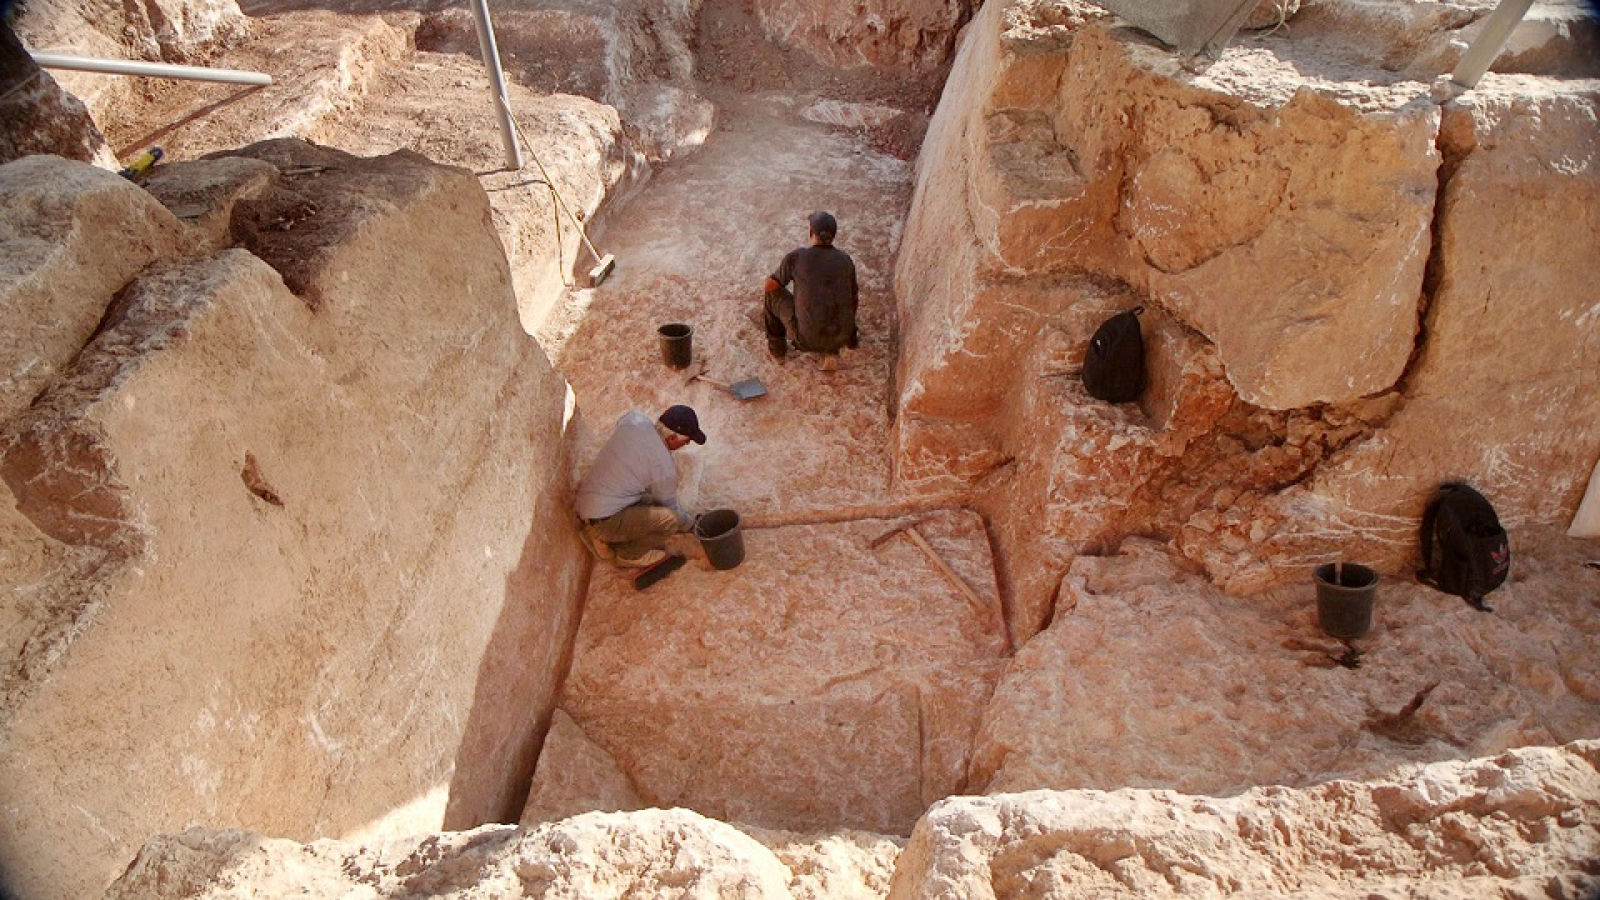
[1464, 550]
[1113, 367]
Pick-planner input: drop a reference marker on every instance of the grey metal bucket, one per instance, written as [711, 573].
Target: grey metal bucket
[1345, 595]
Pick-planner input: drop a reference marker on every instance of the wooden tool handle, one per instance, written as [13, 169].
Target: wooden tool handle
[944, 568]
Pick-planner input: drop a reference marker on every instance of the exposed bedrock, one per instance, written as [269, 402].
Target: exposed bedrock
[1520, 824]
[1333, 325]
[916, 35]
[1149, 676]
[166, 31]
[824, 683]
[211, 516]
[634, 56]
[36, 115]
[1502, 389]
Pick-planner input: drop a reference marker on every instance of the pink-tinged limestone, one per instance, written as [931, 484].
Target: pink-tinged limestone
[575, 775]
[185, 32]
[1290, 229]
[1150, 677]
[1523, 823]
[915, 35]
[1502, 391]
[71, 236]
[819, 684]
[656, 853]
[319, 546]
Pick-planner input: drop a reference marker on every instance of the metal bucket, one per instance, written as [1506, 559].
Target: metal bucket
[677, 344]
[1345, 594]
[719, 534]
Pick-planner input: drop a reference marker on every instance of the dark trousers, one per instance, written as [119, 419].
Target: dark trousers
[777, 317]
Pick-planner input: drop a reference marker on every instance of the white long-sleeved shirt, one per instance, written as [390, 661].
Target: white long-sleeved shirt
[634, 465]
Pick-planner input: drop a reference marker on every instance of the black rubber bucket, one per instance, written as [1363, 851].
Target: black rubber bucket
[1345, 592]
[677, 344]
[721, 538]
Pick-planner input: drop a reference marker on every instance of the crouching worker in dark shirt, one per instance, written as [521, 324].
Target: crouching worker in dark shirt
[820, 315]
[629, 500]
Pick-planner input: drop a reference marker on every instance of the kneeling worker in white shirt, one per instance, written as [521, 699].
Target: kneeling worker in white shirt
[629, 500]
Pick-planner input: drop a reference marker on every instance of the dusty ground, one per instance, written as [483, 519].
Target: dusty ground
[695, 248]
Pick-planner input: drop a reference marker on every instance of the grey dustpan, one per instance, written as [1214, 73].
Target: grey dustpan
[746, 389]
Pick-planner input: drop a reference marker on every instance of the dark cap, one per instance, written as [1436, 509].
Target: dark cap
[682, 420]
[823, 225]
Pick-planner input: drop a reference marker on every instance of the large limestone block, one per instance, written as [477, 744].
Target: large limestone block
[916, 35]
[1501, 393]
[656, 853]
[71, 236]
[1215, 194]
[1422, 41]
[1083, 473]
[1310, 211]
[37, 116]
[1504, 389]
[819, 684]
[1523, 823]
[338, 581]
[1149, 677]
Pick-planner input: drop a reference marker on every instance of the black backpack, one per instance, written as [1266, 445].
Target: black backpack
[1113, 368]
[1464, 550]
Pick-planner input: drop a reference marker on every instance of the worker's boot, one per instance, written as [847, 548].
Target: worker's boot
[830, 362]
[643, 561]
[777, 347]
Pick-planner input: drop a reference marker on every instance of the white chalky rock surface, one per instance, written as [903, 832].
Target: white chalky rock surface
[819, 684]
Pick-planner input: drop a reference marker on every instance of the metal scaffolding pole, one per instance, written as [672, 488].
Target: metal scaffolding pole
[497, 82]
[1491, 40]
[149, 69]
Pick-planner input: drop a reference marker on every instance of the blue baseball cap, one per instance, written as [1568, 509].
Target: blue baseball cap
[682, 420]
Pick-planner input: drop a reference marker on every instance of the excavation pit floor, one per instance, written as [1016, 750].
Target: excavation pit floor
[822, 683]
[695, 248]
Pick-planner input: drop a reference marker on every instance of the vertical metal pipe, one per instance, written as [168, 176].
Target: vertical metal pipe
[497, 82]
[1490, 41]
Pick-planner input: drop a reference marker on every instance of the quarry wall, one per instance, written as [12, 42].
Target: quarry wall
[1331, 329]
[290, 508]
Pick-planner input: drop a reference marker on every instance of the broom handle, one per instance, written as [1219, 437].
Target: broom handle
[546, 176]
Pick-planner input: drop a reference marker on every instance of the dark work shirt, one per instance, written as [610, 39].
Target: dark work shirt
[824, 296]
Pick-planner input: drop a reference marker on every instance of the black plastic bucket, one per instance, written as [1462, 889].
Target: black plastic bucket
[677, 344]
[1345, 592]
[719, 534]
